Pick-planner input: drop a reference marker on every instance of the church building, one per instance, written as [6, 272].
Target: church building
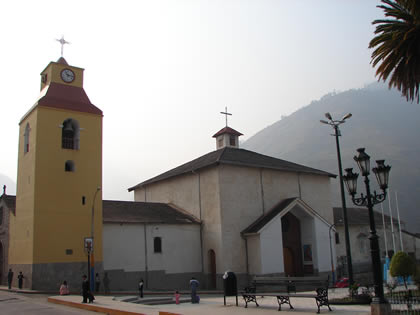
[258, 214]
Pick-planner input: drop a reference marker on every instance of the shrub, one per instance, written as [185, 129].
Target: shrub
[402, 265]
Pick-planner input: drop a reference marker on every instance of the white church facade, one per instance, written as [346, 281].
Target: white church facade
[253, 214]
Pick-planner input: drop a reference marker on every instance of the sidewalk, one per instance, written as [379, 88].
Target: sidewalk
[209, 305]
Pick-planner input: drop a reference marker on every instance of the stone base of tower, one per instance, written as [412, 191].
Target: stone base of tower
[49, 277]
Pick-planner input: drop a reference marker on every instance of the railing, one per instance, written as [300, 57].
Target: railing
[405, 302]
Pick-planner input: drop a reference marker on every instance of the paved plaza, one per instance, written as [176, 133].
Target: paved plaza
[209, 304]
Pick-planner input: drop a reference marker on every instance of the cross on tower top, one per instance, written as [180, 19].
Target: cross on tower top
[226, 114]
[62, 41]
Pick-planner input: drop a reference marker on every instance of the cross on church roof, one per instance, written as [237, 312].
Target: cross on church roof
[226, 113]
[62, 41]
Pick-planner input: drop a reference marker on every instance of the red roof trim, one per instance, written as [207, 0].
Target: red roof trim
[227, 130]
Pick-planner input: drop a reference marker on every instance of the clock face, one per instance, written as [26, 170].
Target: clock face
[67, 75]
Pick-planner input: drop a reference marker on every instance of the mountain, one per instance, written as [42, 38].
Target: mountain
[383, 122]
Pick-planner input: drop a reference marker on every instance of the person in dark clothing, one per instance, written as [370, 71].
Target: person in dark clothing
[20, 280]
[194, 286]
[141, 284]
[10, 278]
[85, 289]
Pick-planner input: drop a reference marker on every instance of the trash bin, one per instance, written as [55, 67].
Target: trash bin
[230, 286]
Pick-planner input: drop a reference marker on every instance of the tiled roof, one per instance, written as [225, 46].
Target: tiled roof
[359, 216]
[68, 97]
[115, 211]
[234, 156]
[227, 130]
[267, 217]
[144, 212]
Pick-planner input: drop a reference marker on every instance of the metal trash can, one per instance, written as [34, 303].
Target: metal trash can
[230, 286]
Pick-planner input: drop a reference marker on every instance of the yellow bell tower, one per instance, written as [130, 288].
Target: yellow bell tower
[58, 198]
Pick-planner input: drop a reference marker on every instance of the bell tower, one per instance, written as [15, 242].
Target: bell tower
[58, 198]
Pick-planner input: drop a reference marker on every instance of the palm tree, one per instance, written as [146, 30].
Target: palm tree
[397, 46]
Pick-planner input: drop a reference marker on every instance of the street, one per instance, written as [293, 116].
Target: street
[18, 303]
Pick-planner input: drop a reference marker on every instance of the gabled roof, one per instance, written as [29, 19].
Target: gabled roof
[145, 212]
[267, 217]
[234, 156]
[227, 130]
[359, 216]
[283, 206]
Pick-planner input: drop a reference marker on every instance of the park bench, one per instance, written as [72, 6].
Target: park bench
[283, 288]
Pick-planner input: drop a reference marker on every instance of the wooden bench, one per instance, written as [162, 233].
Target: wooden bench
[283, 288]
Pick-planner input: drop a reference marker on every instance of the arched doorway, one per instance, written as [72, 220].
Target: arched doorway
[212, 269]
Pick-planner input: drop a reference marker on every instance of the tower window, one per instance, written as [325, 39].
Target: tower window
[232, 140]
[337, 238]
[70, 134]
[69, 166]
[157, 244]
[1, 215]
[220, 142]
[26, 139]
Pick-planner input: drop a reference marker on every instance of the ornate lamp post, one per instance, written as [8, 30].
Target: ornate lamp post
[379, 304]
[337, 133]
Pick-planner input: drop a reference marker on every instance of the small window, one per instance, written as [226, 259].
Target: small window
[337, 238]
[69, 252]
[26, 139]
[69, 166]
[83, 200]
[157, 245]
[232, 140]
[1, 215]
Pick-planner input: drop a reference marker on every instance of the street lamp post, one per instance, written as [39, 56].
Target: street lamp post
[331, 254]
[337, 133]
[92, 260]
[379, 303]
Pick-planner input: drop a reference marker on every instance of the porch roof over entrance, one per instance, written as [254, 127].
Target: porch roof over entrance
[257, 225]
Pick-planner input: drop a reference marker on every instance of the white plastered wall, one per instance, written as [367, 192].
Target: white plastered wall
[124, 247]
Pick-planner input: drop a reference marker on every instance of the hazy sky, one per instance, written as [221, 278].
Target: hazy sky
[161, 71]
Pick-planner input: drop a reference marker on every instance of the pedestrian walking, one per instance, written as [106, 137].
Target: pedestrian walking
[141, 285]
[97, 282]
[194, 285]
[20, 280]
[106, 281]
[10, 278]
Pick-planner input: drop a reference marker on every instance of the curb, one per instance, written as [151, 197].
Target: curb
[94, 308]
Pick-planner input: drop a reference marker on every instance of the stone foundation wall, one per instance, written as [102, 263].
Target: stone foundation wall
[49, 277]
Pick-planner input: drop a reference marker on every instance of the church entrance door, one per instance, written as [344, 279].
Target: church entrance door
[292, 246]
[289, 261]
[212, 269]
